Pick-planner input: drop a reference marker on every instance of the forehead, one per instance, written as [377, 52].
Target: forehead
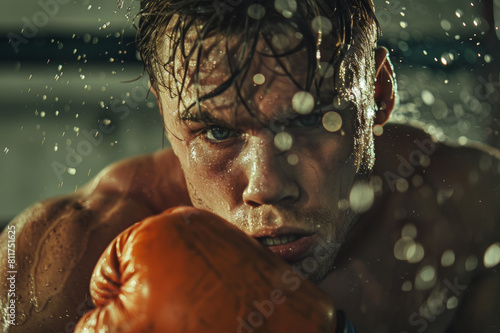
[262, 73]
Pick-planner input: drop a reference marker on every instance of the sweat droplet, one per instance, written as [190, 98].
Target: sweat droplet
[332, 121]
[492, 256]
[303, 102]
[361, 197]
[283, 141]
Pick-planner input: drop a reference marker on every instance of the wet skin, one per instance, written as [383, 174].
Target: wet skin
[366, 281]
[257, 188]
[245, 179]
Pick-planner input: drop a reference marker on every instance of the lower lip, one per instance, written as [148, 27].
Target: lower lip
[293, 251]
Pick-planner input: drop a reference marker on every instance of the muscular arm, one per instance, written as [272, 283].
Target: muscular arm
[58, 241]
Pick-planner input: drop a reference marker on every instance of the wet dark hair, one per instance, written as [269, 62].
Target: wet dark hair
[354, 34]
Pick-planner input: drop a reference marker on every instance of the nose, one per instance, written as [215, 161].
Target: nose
[270, 176]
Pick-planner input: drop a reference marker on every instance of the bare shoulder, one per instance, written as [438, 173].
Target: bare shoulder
[155, 179]
[451, 190]
[58, 241]
[435, 214]
[467, 176]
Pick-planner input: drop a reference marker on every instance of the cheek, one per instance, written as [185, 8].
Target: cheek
[326, 153]
[208, 175]
[326, 165]
[209, 163]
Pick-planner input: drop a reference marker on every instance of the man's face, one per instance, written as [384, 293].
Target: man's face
[284, 175]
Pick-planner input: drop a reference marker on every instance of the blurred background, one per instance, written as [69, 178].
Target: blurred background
[67, 110]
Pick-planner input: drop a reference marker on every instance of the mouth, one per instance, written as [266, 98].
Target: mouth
[290, 247]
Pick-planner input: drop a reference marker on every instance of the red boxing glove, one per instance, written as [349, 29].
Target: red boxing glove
[187, 270]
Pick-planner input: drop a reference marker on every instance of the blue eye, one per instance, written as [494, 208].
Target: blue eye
[218, 133]
[308, 120]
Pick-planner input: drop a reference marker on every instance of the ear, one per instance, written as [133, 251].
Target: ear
[385, 94]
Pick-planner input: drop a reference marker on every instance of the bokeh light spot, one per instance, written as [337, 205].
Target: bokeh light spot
[426, 278]
[293, 159]
[321, 24]
[378, 130]
[448, 258]
[283, 141]
[361, 197]
[259, 79]
[280, 41]
[407, 286]
[471, 263]
[326, 70]
[492, 256]
[285, 7]
[409, 230]
[332, 121]
[303, 102]
[256, 11]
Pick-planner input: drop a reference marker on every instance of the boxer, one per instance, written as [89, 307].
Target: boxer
[276, 112]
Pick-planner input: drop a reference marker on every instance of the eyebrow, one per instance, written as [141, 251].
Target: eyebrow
[202, 116]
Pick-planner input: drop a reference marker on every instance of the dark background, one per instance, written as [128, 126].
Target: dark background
[66, 79]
